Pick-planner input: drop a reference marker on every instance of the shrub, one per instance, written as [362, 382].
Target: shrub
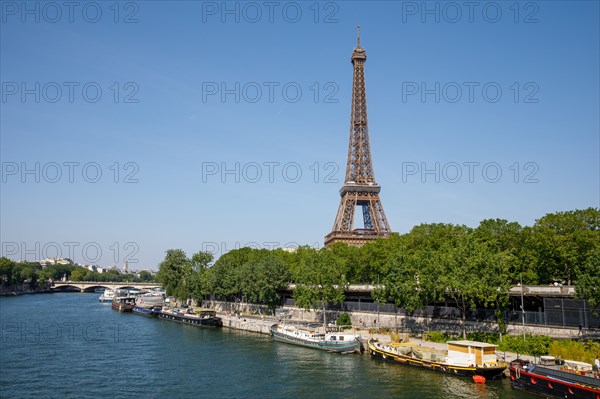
[435, 336]
[534, 345]
[573, 350]
[489, 337]
[344, 320]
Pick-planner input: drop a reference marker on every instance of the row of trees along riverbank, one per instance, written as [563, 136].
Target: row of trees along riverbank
[431, 263]
[31, 276]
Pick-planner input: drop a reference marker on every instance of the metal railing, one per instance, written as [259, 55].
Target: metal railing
[567, 314]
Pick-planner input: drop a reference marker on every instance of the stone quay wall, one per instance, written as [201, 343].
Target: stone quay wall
[416, 326]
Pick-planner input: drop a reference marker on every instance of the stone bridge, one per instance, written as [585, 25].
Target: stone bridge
[90, 286]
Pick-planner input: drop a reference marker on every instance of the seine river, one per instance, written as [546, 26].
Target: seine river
[69, 345]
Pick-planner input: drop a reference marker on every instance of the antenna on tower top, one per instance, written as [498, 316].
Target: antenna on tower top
[357, 35]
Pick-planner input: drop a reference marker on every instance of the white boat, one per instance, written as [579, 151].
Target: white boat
[107, 296]
[150, 299]
[331, 342]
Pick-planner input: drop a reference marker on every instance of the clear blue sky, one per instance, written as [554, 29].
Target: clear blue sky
[181, 134]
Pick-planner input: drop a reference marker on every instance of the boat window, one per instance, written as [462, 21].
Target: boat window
[341, 337]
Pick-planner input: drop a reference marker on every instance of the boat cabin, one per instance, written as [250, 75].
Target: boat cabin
[337, 337]
[471, 353]
[572, 365]
[207, 312]
[124, 300]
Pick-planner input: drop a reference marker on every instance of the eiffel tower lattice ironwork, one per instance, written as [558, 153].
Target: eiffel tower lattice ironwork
[360, 188]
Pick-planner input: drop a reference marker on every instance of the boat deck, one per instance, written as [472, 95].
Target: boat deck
[425, 349]
[563, 372]
[415, 351]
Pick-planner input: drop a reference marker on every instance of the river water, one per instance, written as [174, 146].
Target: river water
[69, 345]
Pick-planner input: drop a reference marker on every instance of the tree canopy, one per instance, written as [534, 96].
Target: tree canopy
[432, 262]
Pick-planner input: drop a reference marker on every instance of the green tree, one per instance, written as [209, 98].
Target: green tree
[500, 244]
[248, 286]
[462, 262]
[271, 276]
[229, 277]
[197, 283]
[502, 236]
[146, 276]
[401, 284]
[494, 271]
[78, 274]
[319, 280]
[347, 258]
[112, 275]
[7, 269]
[373, 259]
[223, 278]
[56, 272]
[29, 271]
[173, 272]
[565, 240]
[587, 286]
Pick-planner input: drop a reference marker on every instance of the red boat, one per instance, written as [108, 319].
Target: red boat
[566, 379]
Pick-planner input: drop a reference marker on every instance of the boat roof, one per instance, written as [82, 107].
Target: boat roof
[578, 365]
[475, 344]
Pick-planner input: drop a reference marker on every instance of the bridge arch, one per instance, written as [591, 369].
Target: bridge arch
[92, 288]
[67, 287]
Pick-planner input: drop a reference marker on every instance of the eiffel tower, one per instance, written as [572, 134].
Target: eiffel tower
[360, 188]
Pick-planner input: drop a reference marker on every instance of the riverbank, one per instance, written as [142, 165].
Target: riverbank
[262, 324]
[397, 322]
[26, 292]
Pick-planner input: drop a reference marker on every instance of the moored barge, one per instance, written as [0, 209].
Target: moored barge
[204, 317]
[123, 303]
[463, 358]
[331, 342]
[147, 311]
[566, 380]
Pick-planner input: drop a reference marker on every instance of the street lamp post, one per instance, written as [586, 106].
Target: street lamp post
[522, 307]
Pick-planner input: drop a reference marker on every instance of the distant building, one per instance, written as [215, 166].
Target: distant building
[139, 272]
[55, 261]
[93, 268]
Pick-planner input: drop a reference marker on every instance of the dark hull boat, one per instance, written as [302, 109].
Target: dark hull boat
[150, 312]
[205, 318]
[149, 304]
[463, 358]
[555, 381]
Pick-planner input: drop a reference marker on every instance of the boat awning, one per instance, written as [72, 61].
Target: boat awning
[579, 366]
